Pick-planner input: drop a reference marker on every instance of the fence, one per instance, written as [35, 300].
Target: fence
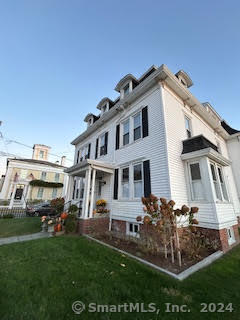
[16, 212]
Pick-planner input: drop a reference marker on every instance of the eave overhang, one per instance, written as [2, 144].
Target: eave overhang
[164, 75]
[208, 152]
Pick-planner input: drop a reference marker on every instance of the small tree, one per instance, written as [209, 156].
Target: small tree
[165, 220]
[58, 205]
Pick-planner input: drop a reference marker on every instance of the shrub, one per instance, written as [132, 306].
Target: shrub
[70, 223]
[8, 216]
[73, 209]
[46, 184]
[58, 204]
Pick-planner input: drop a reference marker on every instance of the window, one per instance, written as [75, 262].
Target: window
[125, 183]
[126, 132]
[222, 184]
[138, 181]
[41, 154]
[44, 175]
[86, 152]
[102, 145]
[40, 193]
[57, 176]
[23, 174]
[188, 127]
[54, 193]
[104, 108]
[231, 236]
[133, 229]
[126, 90]
[137, 127]
[216, 182]
[219, 183]
[196, 182]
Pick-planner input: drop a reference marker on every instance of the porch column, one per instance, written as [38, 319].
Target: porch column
[69, 189]
[24, 196]
[92, 193]
[86, 193]
[12, 197]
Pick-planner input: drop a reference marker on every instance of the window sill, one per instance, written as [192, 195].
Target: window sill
[130, 144]
[223, 202]
[129, 200]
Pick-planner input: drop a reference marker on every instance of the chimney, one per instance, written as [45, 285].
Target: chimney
[63, 160]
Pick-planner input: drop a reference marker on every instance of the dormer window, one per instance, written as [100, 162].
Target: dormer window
[126, 90]
[104, 108]
[90, 122]
[126, 85]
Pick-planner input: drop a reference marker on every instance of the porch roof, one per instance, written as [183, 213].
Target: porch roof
[80, 168]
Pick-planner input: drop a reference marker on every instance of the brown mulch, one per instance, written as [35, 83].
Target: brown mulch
[159, 259]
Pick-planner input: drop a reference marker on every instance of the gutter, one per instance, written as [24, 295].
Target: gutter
[161, 74]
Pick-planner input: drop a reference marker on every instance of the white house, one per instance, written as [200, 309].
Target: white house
[156, 138]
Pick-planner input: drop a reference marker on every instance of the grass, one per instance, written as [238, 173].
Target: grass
[19, 226]
[40, 280]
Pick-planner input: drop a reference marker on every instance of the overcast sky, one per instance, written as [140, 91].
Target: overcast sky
[59, 58]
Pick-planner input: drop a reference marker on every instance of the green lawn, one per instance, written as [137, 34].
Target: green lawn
[19, 226]
[40, 280]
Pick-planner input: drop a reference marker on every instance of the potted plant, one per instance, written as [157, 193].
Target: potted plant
[101, 205]
[48, 224]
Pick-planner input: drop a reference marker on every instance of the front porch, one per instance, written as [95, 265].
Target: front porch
[96, 183]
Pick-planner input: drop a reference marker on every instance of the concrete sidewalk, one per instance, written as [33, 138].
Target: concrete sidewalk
[27, 237]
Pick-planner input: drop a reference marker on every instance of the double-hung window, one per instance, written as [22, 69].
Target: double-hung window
[137, 129]
[196, 182]
[219, 183]
[54, 193]
[125, 182]
[57, 176]
[43, 175]
[126, 132]
[222, 184]
[216, 182]
[102, 145]
[188, 127]
[138, 180]
[40, 193]
[126, 90]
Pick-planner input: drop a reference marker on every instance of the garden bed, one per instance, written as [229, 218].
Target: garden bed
[131, 246]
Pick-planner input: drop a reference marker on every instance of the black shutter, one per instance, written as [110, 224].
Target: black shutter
[74, 187]
[115, 190]
[96, 150]
[147, 178]
[89, 151]
[106, 143]
[77, 156]
[145, 122]
[117, 136]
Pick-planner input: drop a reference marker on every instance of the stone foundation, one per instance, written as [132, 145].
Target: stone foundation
[93, 225]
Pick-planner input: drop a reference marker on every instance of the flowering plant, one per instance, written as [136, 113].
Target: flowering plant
[49, 220]
[101, 203]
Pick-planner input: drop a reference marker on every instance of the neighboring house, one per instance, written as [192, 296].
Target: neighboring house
[33, 179]
[156, 138]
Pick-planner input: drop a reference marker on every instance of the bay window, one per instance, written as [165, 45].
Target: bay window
[138, 180]
[125, 182]
[196, 182]
[219, 182]
[137, 126]
[126, 132]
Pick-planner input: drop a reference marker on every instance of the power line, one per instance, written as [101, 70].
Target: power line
[9, 141]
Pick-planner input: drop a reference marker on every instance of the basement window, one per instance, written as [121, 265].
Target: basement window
[133, 229]
[231, 237]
